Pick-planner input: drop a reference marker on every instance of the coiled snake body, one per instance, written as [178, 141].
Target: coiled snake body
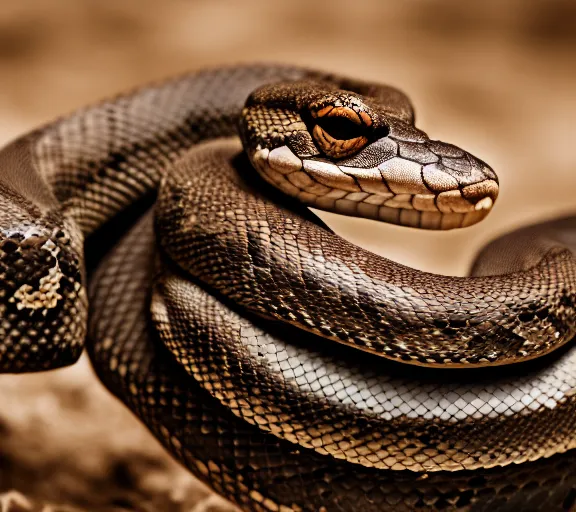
[242, 356]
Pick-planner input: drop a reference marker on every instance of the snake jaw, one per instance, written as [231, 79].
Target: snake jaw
[398, 190]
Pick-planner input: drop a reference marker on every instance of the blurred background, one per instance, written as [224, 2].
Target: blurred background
[495, 77]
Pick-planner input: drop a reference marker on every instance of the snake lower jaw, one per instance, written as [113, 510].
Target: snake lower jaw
[326, 186]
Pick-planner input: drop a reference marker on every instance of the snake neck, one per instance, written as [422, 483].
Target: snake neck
[99, 160]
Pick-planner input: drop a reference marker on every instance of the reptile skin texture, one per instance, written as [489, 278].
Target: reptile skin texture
[287, 368]
[255, 469]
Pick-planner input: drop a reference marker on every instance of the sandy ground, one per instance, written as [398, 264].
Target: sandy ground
[496, 77]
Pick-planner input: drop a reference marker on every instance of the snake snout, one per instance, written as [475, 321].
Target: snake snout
[446, 186]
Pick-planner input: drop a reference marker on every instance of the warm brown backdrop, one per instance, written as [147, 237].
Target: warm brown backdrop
[495, 77]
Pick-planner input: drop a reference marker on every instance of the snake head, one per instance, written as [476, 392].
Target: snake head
[353, 148]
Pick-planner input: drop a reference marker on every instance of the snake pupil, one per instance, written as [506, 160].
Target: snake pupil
[341, 128]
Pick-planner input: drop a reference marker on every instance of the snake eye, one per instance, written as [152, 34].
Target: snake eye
[340, 131]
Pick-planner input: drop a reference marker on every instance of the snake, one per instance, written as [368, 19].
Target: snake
[168, 230]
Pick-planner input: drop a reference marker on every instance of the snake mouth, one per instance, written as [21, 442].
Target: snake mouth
[397, 191]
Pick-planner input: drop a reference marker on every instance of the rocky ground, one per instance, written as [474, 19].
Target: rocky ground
[495, 77]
